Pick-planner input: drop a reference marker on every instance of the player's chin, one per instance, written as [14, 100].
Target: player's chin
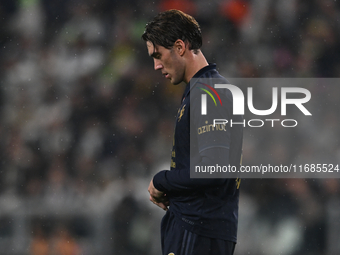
[175, 82]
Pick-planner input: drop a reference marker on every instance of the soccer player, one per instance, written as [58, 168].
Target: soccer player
[201, 213]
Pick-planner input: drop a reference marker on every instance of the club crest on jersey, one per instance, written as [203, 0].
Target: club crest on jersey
[181, 113]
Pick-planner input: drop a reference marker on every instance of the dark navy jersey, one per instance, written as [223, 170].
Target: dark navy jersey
[205, 206]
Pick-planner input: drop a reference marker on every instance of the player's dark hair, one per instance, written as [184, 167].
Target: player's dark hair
[171, 25]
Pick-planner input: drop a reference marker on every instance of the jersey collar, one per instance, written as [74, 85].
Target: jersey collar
[205, 69]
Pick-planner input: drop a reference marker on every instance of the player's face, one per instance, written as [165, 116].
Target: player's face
[168, 62]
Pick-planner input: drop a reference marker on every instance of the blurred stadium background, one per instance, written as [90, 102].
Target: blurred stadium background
[86, 122]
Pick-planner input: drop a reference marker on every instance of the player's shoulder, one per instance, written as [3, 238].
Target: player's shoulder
[207, 82]
[215, 80]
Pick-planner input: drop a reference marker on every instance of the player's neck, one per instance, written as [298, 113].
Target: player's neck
[195, 63]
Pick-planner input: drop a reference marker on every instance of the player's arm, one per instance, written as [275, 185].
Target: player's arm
[179, 179]
[213, 148]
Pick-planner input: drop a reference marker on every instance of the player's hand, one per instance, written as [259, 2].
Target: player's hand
[158, 197]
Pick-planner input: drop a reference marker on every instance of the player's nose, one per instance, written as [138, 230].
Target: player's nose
[157, 65]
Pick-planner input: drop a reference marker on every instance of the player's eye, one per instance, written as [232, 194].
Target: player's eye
[157, 55]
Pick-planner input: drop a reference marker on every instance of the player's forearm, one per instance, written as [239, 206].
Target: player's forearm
[179, 179]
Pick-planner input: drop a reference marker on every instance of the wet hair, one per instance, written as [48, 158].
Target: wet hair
[171, 25]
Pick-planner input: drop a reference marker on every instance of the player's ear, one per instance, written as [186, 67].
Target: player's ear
[179, 47]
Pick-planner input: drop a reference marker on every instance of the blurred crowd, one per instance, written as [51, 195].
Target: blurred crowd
[85, 120]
